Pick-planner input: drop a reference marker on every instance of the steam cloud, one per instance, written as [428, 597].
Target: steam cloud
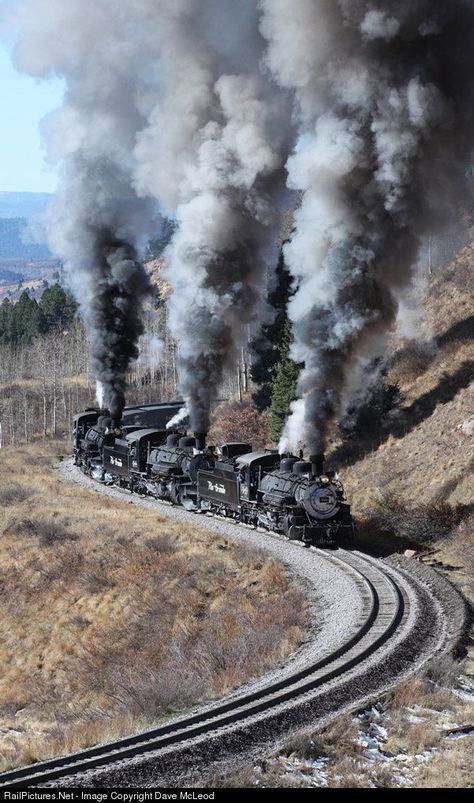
[197, 105]
[96, 218]
[384, 102]
[219, 167]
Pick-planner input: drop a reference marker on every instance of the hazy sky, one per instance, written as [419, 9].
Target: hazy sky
[23, 102]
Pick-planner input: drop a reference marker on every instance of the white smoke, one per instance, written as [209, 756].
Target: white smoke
[213, 154]
[96, 219]
[165, 101]
[384, 111]
[197, 105]
[178, 419]
[99, 394]
[291, 435]
[151, 351]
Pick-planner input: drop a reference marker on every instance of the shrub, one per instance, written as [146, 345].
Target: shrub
[163, 544]
[13, 493]
[420, 525]
[47, 529]
[239, 421]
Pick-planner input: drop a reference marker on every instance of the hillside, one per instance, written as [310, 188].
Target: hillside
[13, 244]
[411, 480]
[426, 452]
[22, 204]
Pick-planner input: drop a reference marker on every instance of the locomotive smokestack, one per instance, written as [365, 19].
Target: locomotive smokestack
[200, 441]
[317, 462]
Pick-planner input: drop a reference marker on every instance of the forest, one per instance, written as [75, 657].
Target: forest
[45, 372]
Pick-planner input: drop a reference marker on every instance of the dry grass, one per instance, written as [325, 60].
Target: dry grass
[13, 493]
[338, 740]
[112, 617]
[81, 381]
[453, 768]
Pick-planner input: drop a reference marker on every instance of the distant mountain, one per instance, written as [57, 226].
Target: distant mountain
[12, 233]
[22, 204]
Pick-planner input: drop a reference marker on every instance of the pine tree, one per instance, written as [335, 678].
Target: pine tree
[27, 320]
[6, 317]
[284, 385]
[266, 347]
[58, 308]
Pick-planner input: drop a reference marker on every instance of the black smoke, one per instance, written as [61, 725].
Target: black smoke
[115, 315]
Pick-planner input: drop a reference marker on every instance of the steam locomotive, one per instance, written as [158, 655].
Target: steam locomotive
[285, 494]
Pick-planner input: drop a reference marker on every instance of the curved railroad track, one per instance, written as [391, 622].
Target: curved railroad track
[402, 620]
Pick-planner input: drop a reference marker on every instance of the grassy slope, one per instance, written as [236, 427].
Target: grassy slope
[433, 459]
[111, 617]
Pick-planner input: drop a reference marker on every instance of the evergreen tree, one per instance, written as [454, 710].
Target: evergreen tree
[27, 319]
[284, 385]
[58, 308]
[6, 319]
[266, 347]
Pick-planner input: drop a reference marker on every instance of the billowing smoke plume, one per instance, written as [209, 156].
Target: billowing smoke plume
[384, 103]
[179, 418]
[186, 102]
[219, 166]
[171, 97]
[96, 218]
[116, 316]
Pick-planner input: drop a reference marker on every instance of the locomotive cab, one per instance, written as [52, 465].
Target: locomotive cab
[81, 424]
[252, 467]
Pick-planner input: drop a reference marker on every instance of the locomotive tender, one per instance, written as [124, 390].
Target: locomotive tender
[262, 489]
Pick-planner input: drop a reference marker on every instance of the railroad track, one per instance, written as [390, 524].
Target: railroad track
[401, 624]
[383, 610]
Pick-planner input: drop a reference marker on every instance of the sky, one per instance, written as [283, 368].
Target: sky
[24, 102]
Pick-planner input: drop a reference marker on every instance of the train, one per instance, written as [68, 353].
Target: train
[301, 499]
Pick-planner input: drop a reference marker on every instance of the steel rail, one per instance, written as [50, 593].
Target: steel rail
[384, 608]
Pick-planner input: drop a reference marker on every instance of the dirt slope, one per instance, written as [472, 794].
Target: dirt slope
[428, 452]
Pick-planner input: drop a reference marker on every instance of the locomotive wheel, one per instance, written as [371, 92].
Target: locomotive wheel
[295, 533]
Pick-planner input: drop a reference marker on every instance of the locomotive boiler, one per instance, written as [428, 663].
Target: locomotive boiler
[307, 503]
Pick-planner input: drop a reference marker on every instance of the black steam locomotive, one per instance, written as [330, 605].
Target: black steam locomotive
[284, 494]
